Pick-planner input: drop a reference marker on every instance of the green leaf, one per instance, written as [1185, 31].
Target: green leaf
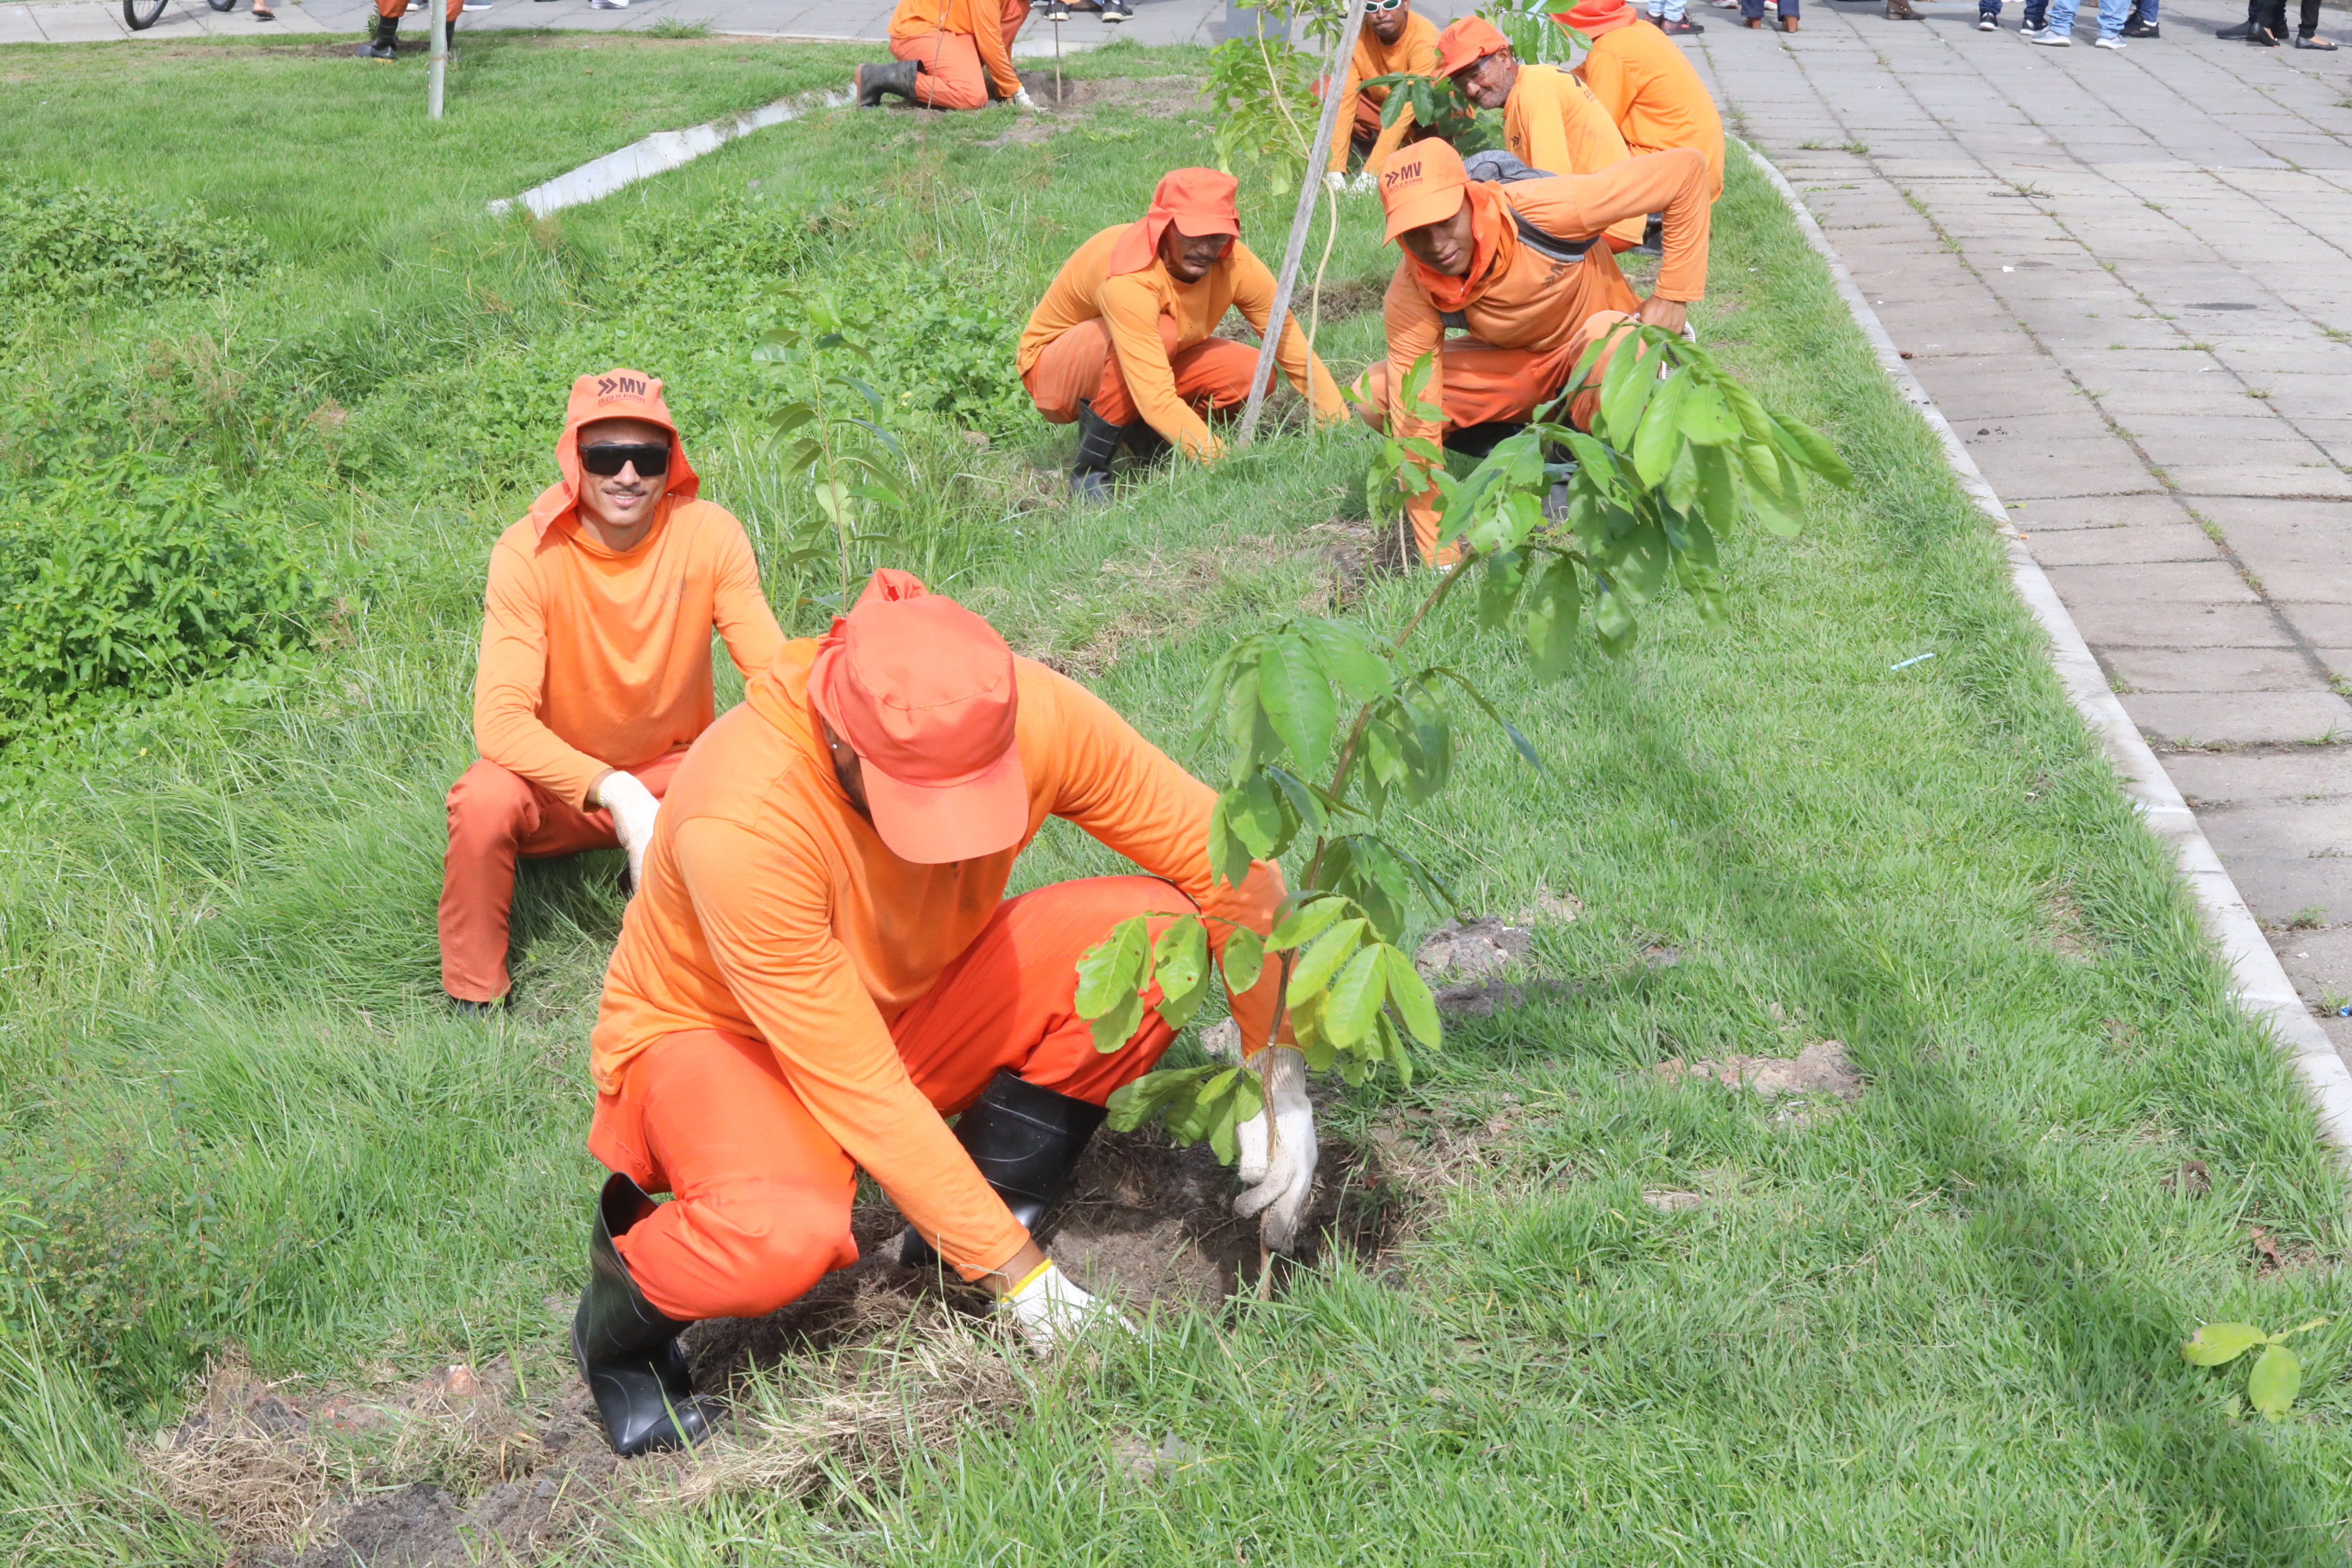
[1707, 420]
[2276, 1379]
[1554, 601]
[1243, 959]
[1625, 389]
[1229, 857]
[2218, 1344]
[1116, 1027]
[1639, 568]
[1660, 436]
[1305, 924]
[1718, 491]
[1410, 995]
[1180, 961]
[1355, 998]
[1113, 967]
[1314, 967]
[789, 417]
[1501, 578]
[1809, 446]
[2304, 1327]
[1255, 814]
[1296, 697]
[1352, 660]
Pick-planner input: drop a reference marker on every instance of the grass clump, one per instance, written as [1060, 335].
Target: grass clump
[65, 243]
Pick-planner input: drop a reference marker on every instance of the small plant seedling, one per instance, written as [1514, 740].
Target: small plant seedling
[2277, 1374]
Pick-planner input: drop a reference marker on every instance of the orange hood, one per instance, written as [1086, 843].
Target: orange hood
[618, 393]
[1594, 17]
[1199, 202]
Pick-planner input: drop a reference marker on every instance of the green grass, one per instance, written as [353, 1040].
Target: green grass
[1939, 1326]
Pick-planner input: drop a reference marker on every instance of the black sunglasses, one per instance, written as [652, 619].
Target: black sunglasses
[607, 458]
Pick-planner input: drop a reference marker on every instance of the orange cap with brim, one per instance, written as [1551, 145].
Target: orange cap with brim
[922, 690]
[1199, 202]
[1422, 183]
[1466, 42]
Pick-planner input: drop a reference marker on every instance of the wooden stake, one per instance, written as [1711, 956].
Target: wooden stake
[1319, 156]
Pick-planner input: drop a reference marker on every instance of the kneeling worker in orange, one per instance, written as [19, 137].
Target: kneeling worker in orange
[823, 967]
[1514, 270]
[1551, 121]
[1395, 42]
[949, 54]
[1648, 87]
[383, 43]
[1122, 344]
[595, 663]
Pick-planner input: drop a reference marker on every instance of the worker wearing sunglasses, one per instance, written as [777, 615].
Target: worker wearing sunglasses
[1395, 42]
[595, 663]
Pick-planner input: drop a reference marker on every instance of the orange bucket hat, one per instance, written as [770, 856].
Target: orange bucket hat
[1422, 183]
[618, 393]
[1466, 42]
[1594, 17]
[923, 691]
[1199, 202]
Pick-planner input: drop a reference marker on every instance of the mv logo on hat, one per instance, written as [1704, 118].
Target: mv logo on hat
[1396, 177]
[620, 387]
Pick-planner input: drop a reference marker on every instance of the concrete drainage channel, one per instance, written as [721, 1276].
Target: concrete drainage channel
[2257, 979]
[659, 154]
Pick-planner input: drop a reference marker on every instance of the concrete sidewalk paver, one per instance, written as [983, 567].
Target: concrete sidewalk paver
[2127, 281]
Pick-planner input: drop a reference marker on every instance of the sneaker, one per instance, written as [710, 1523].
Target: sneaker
[2107, 41]
[2138, 29]
[1116, 10]
[608, 4]
[2048, 35]
[1987, 25]
[1056, 11]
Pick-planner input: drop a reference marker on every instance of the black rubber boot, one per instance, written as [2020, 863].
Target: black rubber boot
[381, 43]
[1026, 1140]
[449, 35]
[897, 77]
[628, 1352]
[1098, 443]
[1477, 440]
[1144, 443]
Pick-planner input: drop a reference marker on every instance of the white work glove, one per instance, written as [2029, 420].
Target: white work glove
[1050, 1310]
[1021, 96]
[1363, 185]
[1334, 182]
[632, 807]
[1280, 1179]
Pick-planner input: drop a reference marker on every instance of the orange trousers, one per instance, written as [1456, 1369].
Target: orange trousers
[394, 7]
[952, 76]
[1080, 366]
[763, 1193]
[495, 819]
[1479, 383]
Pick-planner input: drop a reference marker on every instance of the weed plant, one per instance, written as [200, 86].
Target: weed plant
[1940, 1324]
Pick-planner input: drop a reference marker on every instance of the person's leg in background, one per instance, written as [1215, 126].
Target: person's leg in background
[2267, 27]
[2307, 35]
[949, 74]
[2141, 23]
[1791, 12]
[497, 818]
[2058, 25]
[2111, 23]
[383, 44]
[1676, 18]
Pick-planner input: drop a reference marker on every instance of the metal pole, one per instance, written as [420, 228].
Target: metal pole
[1057, 63]
[439, 50]
[1310, 187]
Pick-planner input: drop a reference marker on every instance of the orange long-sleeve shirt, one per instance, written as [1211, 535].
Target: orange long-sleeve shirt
[591, 660]
[770, 908]
[983, 21]
[1551, 121]
[1654, 96]
[1130, 306]
[1415, 50]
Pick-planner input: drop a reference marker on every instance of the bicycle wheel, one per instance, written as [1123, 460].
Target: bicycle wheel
[142, 13]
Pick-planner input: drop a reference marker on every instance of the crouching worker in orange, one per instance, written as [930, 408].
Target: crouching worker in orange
[949, 54]
[1514, 269]
[1551, 121]
[1122, 344]
[1393, 42]
[1648, 87]
[383, 44]
[595, 665]
[823, 967]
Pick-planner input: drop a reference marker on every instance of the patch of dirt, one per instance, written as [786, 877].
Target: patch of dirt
[1667, 1200]
[1465, 961]
[2065, 930]
[1345, 296]
[1820, 1072]
[876, 1361]
[1163, 96]
[1357, 552]
[2191, 1181]
[1421, 1152]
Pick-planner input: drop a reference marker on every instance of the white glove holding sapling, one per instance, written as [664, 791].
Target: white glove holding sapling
[1334, 182]
[632, 807]
[1279, 1178]
[1021, 96]
[1050, 1310]
[1363, 185]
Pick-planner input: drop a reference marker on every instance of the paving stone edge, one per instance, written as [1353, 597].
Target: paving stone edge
[2258, 981]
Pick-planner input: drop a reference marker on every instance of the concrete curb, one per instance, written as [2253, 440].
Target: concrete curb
[2257, 980]
[657, 154]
